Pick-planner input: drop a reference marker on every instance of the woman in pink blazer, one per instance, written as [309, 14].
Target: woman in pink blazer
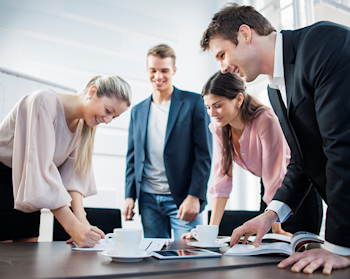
[248, 133]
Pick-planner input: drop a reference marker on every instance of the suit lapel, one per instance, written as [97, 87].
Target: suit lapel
[175, 106]
[289, 78]
[280, 110]
[288, 62]
[143, 120]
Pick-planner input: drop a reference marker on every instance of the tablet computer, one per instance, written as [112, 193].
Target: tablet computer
[185, 254]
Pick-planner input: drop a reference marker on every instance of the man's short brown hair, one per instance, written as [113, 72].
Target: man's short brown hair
[162, 51]
[226, 23]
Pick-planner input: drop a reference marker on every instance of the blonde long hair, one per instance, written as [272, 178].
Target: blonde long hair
[109, 86]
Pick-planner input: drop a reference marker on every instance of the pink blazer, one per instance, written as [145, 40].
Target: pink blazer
[264, 151]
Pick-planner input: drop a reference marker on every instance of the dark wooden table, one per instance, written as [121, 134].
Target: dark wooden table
[260, 272]
[58, 260]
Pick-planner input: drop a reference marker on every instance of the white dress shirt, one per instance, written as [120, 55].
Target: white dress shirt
[277, 82]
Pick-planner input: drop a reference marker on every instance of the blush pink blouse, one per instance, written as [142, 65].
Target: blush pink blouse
[36, 143]
[264, 151]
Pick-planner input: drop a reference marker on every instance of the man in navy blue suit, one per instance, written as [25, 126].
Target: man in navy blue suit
[169, 153]
[308, 73]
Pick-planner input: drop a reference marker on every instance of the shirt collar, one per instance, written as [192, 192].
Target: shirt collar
[278, 71]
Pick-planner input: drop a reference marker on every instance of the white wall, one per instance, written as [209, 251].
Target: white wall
[324, 11]
[69, 41]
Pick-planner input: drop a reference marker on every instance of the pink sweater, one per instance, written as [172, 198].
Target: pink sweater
[264, 151]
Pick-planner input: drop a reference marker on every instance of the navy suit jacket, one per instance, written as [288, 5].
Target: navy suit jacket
[187, 147]
[317, 121]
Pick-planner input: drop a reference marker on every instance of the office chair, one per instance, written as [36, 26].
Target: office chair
[233, 219]
[104, 218]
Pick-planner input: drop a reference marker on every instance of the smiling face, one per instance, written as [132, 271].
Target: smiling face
[223, 110]
[241, 59]
[160, 73]
[102, 109]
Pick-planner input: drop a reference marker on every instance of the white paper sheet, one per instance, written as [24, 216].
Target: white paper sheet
[146, 244]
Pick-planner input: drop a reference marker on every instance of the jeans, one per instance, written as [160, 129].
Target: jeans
[158, 216]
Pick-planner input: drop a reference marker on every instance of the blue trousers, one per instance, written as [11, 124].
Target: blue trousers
[158, 216]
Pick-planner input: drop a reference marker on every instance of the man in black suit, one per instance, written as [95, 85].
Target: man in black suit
[309, 90]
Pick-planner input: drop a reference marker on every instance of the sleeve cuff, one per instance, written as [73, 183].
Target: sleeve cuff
[336, 249]
[220, 195]
[283, 210]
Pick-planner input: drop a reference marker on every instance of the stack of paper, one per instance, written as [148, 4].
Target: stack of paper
[146, 244]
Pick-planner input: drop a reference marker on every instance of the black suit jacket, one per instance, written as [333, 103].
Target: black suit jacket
[317, 121]
[187, 147]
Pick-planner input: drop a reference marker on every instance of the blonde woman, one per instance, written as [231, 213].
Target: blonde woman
[46, 145]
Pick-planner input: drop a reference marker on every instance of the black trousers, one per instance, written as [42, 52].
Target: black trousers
[14, 223]
[309, 216]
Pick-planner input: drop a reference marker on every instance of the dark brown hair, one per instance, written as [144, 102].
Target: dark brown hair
[229, 86]
[162, 51]
[226, 23]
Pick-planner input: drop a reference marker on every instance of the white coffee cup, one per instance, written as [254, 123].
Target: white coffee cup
[205, 234]
[125, 241]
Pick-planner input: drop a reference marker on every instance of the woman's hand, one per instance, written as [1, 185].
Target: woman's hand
[187, 236]
[85, 235]
[93, 228]
[277, 228]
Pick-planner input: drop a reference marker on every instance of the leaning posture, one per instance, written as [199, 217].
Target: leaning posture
[309, 91]
[46, 144]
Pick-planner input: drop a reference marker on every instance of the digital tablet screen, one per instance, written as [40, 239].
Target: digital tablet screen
[186, 253]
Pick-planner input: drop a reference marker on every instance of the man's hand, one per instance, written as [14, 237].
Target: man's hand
[310, 260]
[259, 225]
[128, 210]
[189, 209]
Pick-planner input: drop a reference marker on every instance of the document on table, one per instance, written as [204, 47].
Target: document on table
[154, 244]
[146, 244]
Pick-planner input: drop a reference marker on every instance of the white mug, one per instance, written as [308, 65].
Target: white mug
[205, 234]
[125, 241]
